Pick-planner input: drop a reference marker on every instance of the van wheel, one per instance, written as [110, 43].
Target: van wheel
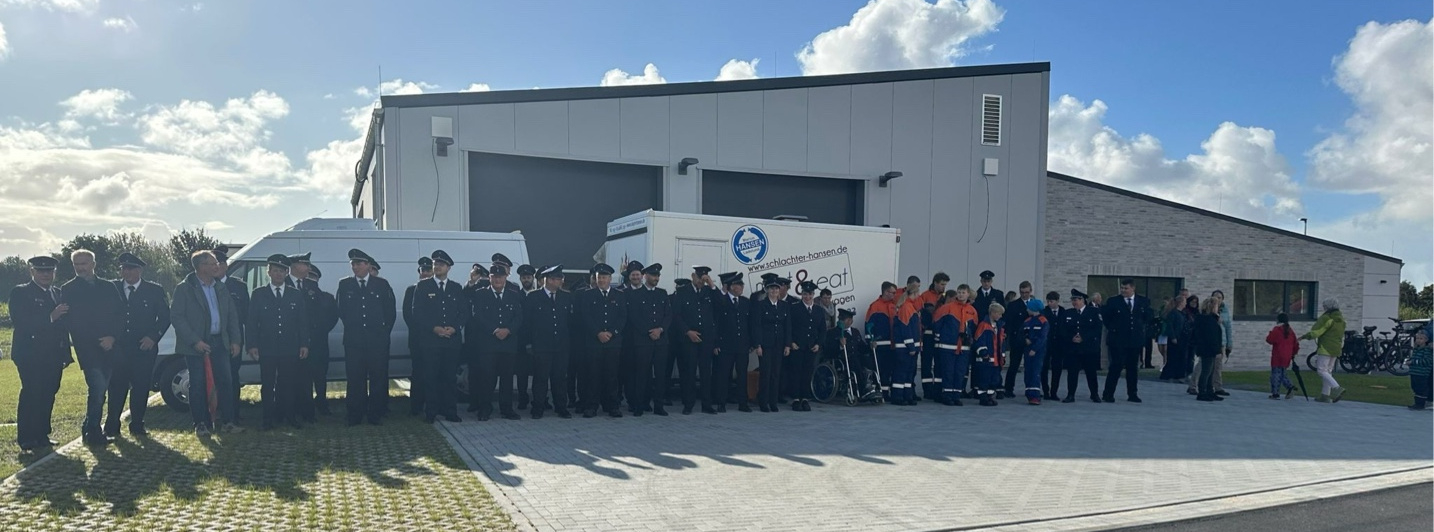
[174, 384]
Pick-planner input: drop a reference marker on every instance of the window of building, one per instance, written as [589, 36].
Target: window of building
[1263, 300]
[1158, 289]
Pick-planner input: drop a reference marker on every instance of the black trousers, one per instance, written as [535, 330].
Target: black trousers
[1148, 352]
[1013, 368]
[281, 380]
[316, 392]
[236, 385]
[599, 381]
[718, 384]
[664, 357]
[692, 362]
[1125, 359]
[483, 368]
[576, 360]
[39, 382]
[440, 379]
[804, 363]
[770, 364]
[730, 364]
[1078, 362]
[132, 377]
[415, 378]
[930, 376]
[1051, 373]
[522, 371]
[637, 373]
[550, 372]
[366, 368]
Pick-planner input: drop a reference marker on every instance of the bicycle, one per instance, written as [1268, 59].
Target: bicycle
[1395, 353]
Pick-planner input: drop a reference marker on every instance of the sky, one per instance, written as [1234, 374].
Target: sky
[247, 117]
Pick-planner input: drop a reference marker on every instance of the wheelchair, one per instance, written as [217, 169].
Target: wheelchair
[835, 382]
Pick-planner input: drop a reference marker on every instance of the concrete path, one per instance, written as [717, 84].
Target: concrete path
[930, 467]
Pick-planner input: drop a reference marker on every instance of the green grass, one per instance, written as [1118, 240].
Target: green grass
[1381, 388]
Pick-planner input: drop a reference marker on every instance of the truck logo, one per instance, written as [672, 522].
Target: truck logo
[749, 244]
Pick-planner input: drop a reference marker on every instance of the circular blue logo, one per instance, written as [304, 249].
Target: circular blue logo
[749, 244]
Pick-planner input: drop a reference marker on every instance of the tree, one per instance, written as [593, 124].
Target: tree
[1426, 298]
[1408, 295]
[185, 243]
[14, 271]
[161, 267]
[105, 254]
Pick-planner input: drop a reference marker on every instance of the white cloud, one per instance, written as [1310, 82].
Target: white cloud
[395, 87]
[216, 225]
[1240, 173]
[477, 87]
[1387, 146]
[71, 6]
[4, 44]
[737, 69]
[233, 133]
[329, 96]
[123, 24]
[617, 77]
[100, 104]
[900, 34]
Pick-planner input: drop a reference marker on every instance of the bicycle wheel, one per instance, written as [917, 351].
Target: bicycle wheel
[1348, 361]
[1310, 361]
[1398, 361]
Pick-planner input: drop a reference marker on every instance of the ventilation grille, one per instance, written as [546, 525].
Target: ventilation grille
[990, 120]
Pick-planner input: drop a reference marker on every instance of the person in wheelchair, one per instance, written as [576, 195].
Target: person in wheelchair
[846, 347]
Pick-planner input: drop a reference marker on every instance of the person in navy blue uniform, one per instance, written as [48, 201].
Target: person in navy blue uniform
[41, 351]
[323, 316]
[440, 308]
[809, 330]
[146, 319]
[548, 322]
[1055, 347]
[604, 315]
[1081, 327]
[772, 336]
[368, 311]
[278, 338]
[523, 369]
[498, 323]
[696, 333]
[238, 292]
[649, 314]
[1125, 317]
[734, 343]
[416, 371]
[300, 268]
[95, 322]
[847, 343]
[1015, 321]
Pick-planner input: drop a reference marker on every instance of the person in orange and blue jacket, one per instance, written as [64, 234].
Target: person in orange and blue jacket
[879, 318]
[1033, 333]
[954, 323]
[906, 338]
[990, 341]
[930, 362]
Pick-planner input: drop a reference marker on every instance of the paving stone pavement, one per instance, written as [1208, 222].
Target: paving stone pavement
[933, 467]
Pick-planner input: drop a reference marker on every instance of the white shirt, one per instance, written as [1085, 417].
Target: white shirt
[129, 290]
[278, 290]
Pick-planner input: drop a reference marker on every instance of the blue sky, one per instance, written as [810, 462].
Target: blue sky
[1173, 70]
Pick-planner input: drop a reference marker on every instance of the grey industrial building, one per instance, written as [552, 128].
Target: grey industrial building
[954, 157]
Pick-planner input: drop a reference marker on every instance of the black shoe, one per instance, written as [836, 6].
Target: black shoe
[1191, 392]
[564, 414]
[453, 418]
[1133, 399]
[295, 423]
[511, 415]
[763, 408]
[709, 410]
[1205, 398]
[428, 419]
[97, 440]
[111, 433]
[1107, 398]
[636, 413]
[796, 406]
[484, 416]
[806, 405]
[1417, 406]
[658, 410]
[686, 410]
[722, 409]
[523, 403]
[1217, 397]
[589, 414]
[1222, 393]
[1068, 399]
[744, 408]
[138, 431]
[1095, 399]
[774, 408]
[614, 413]
[474, 407]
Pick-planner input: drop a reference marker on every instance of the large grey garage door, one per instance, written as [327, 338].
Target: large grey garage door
[561, 206]
[834, 201]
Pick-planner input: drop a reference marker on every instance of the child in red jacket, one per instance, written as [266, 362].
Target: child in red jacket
[1284, 344]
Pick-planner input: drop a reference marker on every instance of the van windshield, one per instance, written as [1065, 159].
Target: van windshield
[253, 273]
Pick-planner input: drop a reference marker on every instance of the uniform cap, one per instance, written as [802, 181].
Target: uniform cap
[441, 256]
[314, 272]
[784, 281]
[527, 269]
[807, 286]
[769, 276]
[701, 270]
[128, 260]
[278, 259]
[987, 275]
[304, 258]
[499, 269]
[602, 269]
[1077, 294]
[683, 282]
[633, 266]
[44, 262]
[774, 283]
[425, 263]
[731, 278]
[499, 258]
[555, 270]
[653, 269]
[221, 253]
[358, 254]
[845, 313]
[479, 268]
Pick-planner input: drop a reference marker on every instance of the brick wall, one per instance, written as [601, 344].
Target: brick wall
[1090, 231]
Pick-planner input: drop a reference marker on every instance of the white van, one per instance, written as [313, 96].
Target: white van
[329, 240]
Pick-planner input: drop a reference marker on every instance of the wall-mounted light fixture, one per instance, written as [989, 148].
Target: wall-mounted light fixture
[684, 163]
[881, 181]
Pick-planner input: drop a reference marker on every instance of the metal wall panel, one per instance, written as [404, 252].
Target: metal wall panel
[541, 127]
[593, 129]
[829, 130]
[645, 131]
[739, 130]
[784, 130]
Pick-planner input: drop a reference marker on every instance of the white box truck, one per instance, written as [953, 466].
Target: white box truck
[329, 240]
[852, 261]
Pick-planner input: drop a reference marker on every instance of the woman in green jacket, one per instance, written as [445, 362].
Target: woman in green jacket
[1328, 333]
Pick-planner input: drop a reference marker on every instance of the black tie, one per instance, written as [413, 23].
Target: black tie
[553, 296]
[130, 294]
[278, 293]
[363, 283]
[500, 296]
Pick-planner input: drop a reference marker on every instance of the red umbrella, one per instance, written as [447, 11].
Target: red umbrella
[213, 395]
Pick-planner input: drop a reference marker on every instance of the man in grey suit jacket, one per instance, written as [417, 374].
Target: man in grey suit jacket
[206, 328]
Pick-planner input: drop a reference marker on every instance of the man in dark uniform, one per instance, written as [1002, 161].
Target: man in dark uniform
[734, 343]
[986, 294]
[95, 322]
[696, 333]
[523, 369]
[1081, 326]
[477, 277]
[760, 292]
[416, 370]
[300, 268]
[847, 343]
[146, 319]
[1056, 347]
[323, 316]
[239, 294]
[664, 360]
[809, 330]
[789, 363]
[278, 339]
[604, 315]
[649, 313]
[548, 315]
[578, 348]
[498, 323]
[41, 350]
[772, 339]
[440, 308]
[1125, 316]
[1015, 320]
[368, 311]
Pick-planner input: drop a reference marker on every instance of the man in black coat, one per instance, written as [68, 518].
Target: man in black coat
[1081, 327]
[734, 343]
[146, 319]
[604, 315]
[368, 311]
[548, 322]
[41, 350]
[987, 294]
[440, 308]
[696, 334]
[238, 292]
[1125, 318]
[498, 322]
[809, 329]
[1015, 320]
[1057, 344]
[649, 313]
[323, 316]
[416, 371]
[772, 339]
[278, 338]
[95, 322]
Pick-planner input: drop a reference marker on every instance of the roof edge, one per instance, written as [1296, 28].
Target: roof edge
[1222, 217]
[707, 87]
[370, 144]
